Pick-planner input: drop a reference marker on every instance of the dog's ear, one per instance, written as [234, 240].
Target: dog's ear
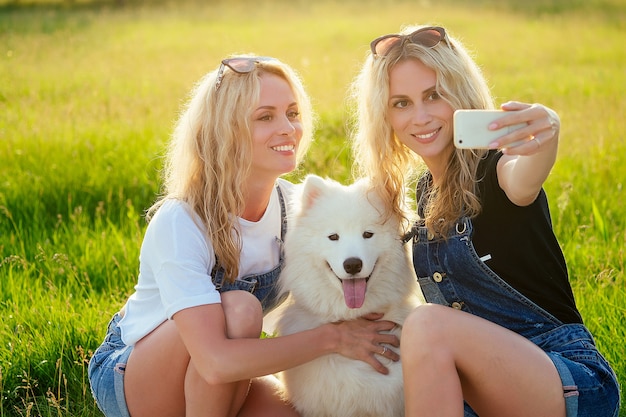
[313, 188]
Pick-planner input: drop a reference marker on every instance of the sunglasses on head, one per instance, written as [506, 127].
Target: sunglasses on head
[240, 65]
[427, 36]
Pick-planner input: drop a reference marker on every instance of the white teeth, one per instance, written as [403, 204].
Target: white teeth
[284, 148]
[426, 136]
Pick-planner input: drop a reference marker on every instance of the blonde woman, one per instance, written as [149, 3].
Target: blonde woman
[187, 341]
[501, 335]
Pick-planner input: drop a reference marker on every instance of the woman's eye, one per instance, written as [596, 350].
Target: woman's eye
[434, 96]
[401, 104]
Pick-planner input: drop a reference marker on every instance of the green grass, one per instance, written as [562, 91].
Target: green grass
[89, 92]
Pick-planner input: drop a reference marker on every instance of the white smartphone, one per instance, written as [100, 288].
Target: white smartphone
[471, 128]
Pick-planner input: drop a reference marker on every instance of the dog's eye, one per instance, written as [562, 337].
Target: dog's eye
[367, 235]
[334, 236]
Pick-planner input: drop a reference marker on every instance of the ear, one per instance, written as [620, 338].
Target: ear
[313, 188]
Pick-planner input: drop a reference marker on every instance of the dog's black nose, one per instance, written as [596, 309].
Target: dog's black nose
[352, 265]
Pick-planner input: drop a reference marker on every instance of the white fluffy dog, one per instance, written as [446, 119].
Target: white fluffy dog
[343, 259]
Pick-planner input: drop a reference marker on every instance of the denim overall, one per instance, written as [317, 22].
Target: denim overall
[107, 366]
[263, 286]
[452, 274]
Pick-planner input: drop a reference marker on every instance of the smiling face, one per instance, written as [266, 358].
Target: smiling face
[420, 118]
[276, 129]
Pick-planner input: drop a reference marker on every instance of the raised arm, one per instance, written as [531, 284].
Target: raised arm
[524, 168]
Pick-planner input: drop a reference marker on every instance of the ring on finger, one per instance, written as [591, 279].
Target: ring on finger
[384, 351]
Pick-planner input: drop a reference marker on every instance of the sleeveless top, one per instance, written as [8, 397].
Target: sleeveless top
[503, 230]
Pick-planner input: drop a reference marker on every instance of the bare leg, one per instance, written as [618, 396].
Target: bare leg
[264, 400]
[448, 355]
[212, 400]
[161, 380]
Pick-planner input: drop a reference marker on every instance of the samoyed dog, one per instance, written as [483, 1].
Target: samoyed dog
[343, 259]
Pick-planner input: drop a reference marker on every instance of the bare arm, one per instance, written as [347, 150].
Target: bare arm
[222, 360]
[524, 168]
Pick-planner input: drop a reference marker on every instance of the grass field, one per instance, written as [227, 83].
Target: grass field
[89, 92]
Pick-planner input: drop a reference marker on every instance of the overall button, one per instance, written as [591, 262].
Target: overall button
[456, 305]
[437, 277]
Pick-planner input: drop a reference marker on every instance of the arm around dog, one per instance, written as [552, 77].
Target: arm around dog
[221, 360]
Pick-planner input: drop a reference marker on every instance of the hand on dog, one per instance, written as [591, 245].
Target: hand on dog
[363, 339]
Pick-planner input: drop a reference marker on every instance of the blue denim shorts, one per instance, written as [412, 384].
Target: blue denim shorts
[590, 386]
[106, 372]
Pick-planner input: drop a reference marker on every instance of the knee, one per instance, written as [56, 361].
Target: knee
[425, 328]
[244, 314]
[425, 317]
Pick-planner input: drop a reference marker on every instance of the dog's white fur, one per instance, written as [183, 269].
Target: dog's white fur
[330, 224]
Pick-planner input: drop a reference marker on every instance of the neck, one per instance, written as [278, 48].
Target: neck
[256, 200]
[437, 164]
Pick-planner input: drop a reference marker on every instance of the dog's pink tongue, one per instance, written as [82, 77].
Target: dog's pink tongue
[354, 292]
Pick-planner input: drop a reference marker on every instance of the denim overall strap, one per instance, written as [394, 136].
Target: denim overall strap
[263, 286]
[451, 273]
[283, 223]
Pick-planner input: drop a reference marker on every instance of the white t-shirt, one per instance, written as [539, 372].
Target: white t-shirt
[176, 261]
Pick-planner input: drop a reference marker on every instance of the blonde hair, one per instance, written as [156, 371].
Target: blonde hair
[210, 152]
[381, 156]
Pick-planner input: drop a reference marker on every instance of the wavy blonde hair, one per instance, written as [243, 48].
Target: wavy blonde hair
[390, 164]
[210, 152]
